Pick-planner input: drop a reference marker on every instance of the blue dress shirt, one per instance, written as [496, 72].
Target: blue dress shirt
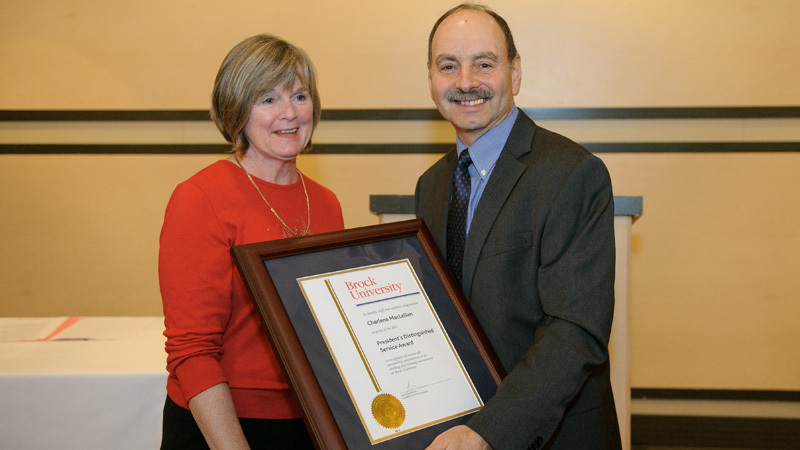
[484, 153]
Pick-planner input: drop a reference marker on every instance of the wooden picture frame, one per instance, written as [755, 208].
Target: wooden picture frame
[271, 272]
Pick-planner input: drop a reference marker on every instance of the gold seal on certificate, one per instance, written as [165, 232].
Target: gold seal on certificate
[388, 411]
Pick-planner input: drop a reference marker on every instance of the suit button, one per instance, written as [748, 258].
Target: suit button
[536, 445]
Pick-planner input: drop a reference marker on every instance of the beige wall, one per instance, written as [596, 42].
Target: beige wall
[153, 54]
[715, 255]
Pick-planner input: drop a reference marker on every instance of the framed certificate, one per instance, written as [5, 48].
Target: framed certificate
[373, 334]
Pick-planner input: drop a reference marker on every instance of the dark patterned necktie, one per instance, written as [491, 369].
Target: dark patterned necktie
[457, 215]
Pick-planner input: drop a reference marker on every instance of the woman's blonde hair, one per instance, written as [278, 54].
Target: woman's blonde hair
[252, 68]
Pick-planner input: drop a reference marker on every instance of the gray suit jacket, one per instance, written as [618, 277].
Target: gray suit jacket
[539, 274]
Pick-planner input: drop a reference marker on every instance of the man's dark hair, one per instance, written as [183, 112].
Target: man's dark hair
[510, 47]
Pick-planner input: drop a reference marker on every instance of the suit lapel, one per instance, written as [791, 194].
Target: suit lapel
[505, 175]
[440, 196]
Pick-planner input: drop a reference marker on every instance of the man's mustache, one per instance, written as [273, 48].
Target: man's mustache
[458, 95]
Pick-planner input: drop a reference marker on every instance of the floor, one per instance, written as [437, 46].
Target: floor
[658, 447]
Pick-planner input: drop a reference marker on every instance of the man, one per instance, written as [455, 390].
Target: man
[525, 217]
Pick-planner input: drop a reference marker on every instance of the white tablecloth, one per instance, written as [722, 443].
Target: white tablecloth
[81, 383]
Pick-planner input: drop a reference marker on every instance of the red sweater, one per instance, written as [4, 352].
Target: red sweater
[213, 332]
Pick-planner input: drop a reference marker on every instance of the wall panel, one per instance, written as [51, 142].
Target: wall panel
[151, 54]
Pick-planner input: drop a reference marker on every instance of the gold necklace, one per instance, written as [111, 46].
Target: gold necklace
[308, 206]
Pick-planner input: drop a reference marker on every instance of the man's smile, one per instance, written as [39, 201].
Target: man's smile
[470, 102]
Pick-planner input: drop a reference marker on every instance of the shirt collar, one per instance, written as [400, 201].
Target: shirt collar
[485, 151]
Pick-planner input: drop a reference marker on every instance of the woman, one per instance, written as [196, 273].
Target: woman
[225, 388]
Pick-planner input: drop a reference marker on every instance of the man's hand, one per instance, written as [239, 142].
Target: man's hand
[460, 437]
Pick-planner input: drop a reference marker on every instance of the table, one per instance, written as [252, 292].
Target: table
[82, 383]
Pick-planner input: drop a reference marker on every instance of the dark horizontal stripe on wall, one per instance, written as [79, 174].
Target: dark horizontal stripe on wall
[113, 149]
[104, 115]
[380, 148]
[693, 147]
[757, 112]
[664, 113]
[716, 394]
[45, 149]
[381, 114]
[391, 149]
[715, 432]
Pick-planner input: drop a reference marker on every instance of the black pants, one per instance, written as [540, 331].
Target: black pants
[180, 432]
